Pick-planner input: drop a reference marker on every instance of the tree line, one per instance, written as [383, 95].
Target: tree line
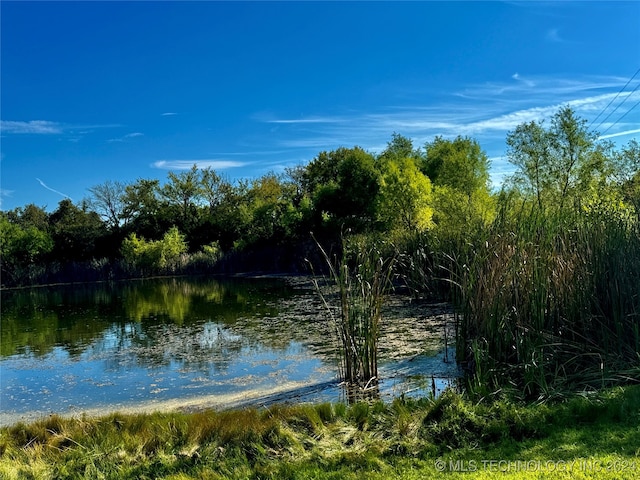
[441, 190]
[200, 213]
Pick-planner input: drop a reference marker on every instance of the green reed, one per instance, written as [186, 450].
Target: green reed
[362, 277]
[551, 300]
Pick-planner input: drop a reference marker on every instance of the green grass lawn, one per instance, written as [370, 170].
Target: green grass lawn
[594, 436]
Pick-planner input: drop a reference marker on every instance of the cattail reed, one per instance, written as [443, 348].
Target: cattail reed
[363, 276]
[552, 300]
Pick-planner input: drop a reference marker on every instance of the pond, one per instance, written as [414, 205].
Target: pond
[192, 343]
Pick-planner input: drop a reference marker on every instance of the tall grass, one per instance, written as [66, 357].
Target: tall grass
[362, 276]
[402, 439]
[552, 301]
[421, 266]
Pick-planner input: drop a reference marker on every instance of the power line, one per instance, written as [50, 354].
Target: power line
[619, 105]
[613, 99]
[617, 121]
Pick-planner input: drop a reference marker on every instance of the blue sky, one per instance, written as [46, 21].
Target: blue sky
[94, 91]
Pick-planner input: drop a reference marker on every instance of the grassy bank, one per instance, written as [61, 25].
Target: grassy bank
[590, 436]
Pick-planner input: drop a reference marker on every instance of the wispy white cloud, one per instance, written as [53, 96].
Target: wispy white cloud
[538, 88]
[508, 121]
[519, 78]
[187, 164]
[31, 127]
[278, 166]
[486, 112]
[126, 137]
[46, 127]
[168, 114]
[53, 190]
[249, 153]
[5, 193]
[311, 142]
[308, 120]
[270, 117]
[408, 120]
[619, 134]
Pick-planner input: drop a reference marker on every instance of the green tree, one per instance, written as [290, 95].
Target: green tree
[320, 172]
[558, 166]
[626, 173]
[344, 186]
[30, 216]
[231, 217]
[142, 207]
[265, 202]
[76, 232]
[184, 191]
[273, 216]
[400, 147]
[459, 171]
[295, 176]
[207, 227]
[173, 246]
[575, 158]
[529, 152]
[21, 247]
[406, 196]
[460, 164]
[458, 215]
[212, 187]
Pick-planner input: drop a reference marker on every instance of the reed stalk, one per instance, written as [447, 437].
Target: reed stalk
[551, 300]
[362, 276]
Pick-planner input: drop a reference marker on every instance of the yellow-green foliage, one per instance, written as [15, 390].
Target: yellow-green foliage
[406, 196]
[458, 213]
[155, 253]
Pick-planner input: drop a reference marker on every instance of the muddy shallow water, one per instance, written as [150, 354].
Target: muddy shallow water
[191, 343]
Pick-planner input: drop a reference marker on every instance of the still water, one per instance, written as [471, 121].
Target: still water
[193, 343]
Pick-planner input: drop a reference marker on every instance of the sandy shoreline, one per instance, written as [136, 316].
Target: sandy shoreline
[249, 398]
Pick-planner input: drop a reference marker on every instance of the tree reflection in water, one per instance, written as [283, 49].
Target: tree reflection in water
[115, 343]
[143, 316]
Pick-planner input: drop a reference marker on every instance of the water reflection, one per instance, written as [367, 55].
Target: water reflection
[80, 346]
[114, 344]
[73, 317]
